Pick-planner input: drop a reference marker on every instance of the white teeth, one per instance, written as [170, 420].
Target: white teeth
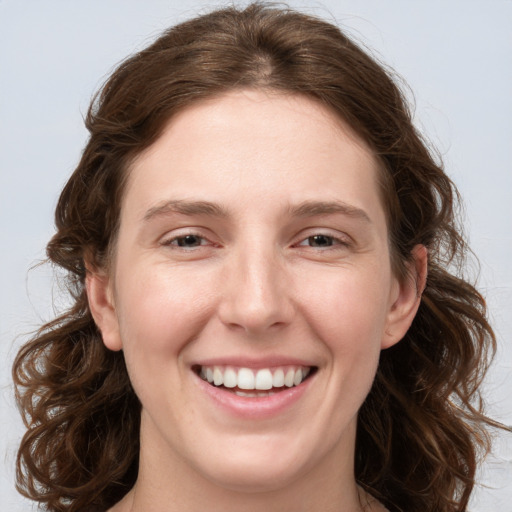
[245, 378]
[263, 379]
[230, 378]
[217, 376]
[289, 378]
[278, 378]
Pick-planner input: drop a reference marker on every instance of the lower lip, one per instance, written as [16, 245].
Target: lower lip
[254, 407]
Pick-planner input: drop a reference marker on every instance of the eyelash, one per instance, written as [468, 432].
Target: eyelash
[333, 242]
[175, 241]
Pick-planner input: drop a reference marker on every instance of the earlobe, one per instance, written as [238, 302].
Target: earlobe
[101, 304]
[407, 299]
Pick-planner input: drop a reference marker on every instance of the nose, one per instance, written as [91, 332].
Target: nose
[256, 293]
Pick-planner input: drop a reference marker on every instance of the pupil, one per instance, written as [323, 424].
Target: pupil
[320, 240]
[188, 241]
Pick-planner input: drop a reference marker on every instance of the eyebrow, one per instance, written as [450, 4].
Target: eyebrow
[314, 208]
[304, 209]
[186, 208]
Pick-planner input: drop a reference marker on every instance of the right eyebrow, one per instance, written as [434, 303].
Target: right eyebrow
[185, 207]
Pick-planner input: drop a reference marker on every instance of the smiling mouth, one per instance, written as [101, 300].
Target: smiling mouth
[248, 382]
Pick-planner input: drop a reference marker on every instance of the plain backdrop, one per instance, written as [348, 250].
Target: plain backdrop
[456, 55]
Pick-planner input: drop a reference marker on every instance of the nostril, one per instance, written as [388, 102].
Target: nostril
[236, 327]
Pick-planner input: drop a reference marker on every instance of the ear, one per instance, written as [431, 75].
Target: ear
[101, 304]
[406, 298]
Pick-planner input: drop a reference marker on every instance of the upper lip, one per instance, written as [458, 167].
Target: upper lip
[255, 363]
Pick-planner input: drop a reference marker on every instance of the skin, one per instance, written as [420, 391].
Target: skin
[252, 283]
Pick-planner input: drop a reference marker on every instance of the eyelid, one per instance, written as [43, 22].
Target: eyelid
[168, 239]
[341, 239]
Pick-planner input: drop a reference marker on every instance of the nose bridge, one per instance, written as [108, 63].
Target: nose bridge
[256, 295]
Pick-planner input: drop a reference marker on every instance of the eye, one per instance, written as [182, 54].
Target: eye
[188, 241]
[320, 241]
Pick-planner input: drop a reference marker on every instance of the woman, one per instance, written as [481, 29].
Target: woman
[257, 243]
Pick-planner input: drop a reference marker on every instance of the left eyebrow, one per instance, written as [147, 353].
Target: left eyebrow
[313, 208]
[185, 208]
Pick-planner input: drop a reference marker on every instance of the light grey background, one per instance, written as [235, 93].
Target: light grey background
[455, 54]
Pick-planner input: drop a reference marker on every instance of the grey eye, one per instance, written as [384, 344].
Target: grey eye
[320, 241]
[188, 241]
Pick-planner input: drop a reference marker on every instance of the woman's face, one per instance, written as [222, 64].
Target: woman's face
[252, 250]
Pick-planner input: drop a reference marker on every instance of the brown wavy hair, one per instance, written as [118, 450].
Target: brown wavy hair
[421, 429]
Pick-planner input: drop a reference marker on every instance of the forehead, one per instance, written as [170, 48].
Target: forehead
[259, 111]
[257, 144]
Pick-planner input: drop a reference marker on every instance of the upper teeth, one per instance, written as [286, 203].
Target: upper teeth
[247, 378]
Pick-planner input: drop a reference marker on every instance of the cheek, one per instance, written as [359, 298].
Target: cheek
[346, 311]
[160, 310]
[348, 308]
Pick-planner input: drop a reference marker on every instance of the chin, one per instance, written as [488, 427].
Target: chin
[260, 468]
[254, 478]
